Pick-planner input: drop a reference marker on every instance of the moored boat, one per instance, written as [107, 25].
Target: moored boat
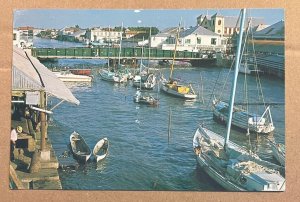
[173, 87]
[79, 148]
[145, 99]
[100, 150]
[242, 119]
[67, 76]
[233, 166]
[112, 76]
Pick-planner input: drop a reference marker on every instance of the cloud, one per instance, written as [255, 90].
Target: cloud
[139, 21]
[137, 11]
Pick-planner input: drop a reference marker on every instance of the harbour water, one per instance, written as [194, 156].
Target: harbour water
[141, 155]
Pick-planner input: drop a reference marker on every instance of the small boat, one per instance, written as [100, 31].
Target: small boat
[144, 99]
[112, 76]
[278, 150]
[242, 119]
[100, 150]
[67, 76]
[145, 81]
[172, 86]
[79, 147]
[86, 72]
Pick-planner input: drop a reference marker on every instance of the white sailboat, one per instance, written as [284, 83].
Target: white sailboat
[116, 76]
[145, 79]
[241, 118]
[233, 166]
[174, 87]
[139, 97]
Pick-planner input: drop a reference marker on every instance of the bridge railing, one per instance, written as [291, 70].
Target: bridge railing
[111, 53]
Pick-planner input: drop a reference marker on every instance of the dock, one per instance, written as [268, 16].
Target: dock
[46, 178]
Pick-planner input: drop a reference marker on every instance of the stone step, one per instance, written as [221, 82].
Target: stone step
[46, 185]
[43, 174]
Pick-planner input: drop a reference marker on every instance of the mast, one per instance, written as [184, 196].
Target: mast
[119, 61]
[236, 71]
[141, 65]
[149, 44]
[174, 54]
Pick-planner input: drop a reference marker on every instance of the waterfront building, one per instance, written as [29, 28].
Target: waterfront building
[102, 35]
[23, 37]
[161, 38]
[196, 39]
[224, 26]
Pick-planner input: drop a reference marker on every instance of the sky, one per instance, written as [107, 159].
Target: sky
[162, 18]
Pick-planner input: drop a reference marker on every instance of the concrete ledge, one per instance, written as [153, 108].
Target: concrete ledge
[45, 174]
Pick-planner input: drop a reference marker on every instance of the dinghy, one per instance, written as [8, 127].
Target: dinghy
[100, 150]
[80, 149]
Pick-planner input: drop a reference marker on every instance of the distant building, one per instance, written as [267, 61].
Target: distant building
[225, 26]
[68, 30]
[160, 38]
[102, 35]
[26, 36]
[195, 39]
[191, 39]
[131, 33]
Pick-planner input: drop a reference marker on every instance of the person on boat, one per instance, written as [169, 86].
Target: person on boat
[13, 138]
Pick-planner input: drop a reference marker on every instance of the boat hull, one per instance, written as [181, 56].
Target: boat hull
[240, 120]
[227, 170]
[101, 146]
[79, 148]
[174, 93]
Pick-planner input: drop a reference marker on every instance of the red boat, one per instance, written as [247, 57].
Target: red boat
[86, 72]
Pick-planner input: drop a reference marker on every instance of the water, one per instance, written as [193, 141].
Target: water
[140, 155]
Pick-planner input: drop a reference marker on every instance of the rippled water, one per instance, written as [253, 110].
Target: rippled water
[141, 156]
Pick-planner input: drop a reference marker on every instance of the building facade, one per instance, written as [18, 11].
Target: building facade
[103, 35]
[225, 26]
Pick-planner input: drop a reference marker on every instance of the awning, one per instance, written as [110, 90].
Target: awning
[29, 74]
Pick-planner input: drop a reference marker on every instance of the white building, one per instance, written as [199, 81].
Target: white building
[195, 39]
[20, 40]
[161, 38]
[103, 35]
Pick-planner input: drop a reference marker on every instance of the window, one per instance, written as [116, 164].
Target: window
[219, 22]
[219, 31]
[213, 22]
[188, 41]
[213, 41]
[15, 37]
[198, 40]
[225, 31]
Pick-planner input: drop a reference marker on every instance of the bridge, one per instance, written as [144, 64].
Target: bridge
[113, 53]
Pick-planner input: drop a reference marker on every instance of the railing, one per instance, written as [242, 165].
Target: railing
[106, 52]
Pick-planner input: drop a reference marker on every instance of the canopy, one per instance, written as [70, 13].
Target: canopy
[29, 74]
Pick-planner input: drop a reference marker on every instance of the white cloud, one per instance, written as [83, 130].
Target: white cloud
[137, 11]
[139, 21]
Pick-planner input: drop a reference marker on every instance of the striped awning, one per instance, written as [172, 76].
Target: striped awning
[29, 74]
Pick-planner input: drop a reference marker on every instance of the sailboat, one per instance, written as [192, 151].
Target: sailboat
[241, 118]
[174, 87]
[145, 79]
[139, 97]
[116, 75]
[232, 166]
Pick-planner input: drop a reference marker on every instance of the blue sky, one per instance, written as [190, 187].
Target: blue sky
[162, 18]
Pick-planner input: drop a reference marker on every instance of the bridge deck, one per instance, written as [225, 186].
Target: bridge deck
[113, 53]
